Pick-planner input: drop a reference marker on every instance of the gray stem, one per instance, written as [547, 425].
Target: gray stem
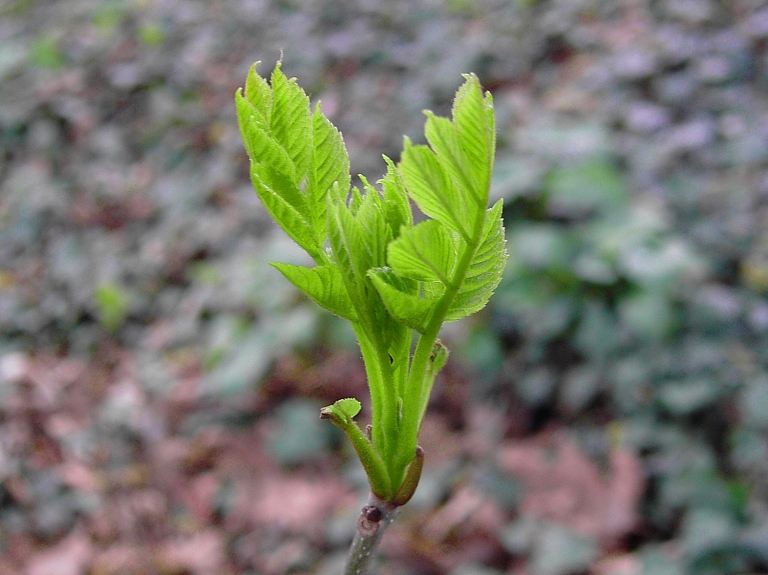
[371, 525]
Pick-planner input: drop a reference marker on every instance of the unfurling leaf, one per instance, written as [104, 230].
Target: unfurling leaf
[407, 308]
[323, 284]
[485, 271]
[329, 165]
[424, 252]
[432, 189]
[350, 406]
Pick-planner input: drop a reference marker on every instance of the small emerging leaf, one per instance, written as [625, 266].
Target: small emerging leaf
[258, 93]
[424, 252]
[397, 208]
[350, 406]
[291, 123]
[339, 414]
[323, 284]
[485, 271]
[475, 124]
[408, 309]
[432, 188]
[287, 213]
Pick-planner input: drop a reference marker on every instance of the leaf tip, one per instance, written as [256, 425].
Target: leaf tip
[350, 406]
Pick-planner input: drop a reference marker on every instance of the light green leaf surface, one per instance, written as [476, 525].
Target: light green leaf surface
[407, 308]
[329, 164]
[397, 208]
[485, 271]
[443, 138]
[432, 188]
[475, 124]
[350, 406]
[291, 124]
[323, 284]
[262, 148]
[288, 214]
[424, 252]
[259, 94]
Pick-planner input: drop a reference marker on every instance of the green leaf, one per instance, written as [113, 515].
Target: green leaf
[354, 256]
[443, 138]
[259, 94]
[112, 303]
[323, 284]
[376, 234]
[260, 145]
[342, 236]
[350, 406]
[288, 214]
[584, 188]
[329, 164]
[424, 252]
[485, 271]
[397, 208]
[291, 124]
[476, 127]
[432, 188]
[339, 414]
[406, 308]
[360, 237]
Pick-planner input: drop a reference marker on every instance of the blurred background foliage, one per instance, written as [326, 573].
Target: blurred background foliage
[156, 375]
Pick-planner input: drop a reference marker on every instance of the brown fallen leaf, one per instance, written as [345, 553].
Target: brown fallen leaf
[299, 504]
[201, 554]
[618, 565]
[121, 559]
[565, 487]
[70, 556]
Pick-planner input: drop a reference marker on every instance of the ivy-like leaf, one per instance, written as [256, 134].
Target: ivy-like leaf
[432, 188]
[407, 308]
[424, 252]
[485, 271]
[323, 284]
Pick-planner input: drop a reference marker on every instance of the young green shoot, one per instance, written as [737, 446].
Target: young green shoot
[396, 281]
